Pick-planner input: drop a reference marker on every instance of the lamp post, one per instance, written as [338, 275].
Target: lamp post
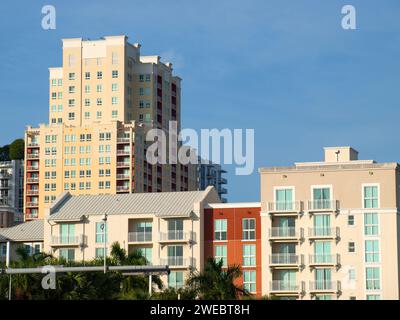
[104, 229]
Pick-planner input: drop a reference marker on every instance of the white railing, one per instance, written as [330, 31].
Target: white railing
[324, 285]
[33, 144]
[283, 232]
[66, 240]
[32, 192]
[285, 206]
[322, 259]
[123, 164]
[139, 237]
[281, 285]
[33, 155]
[32, 180]
[321, 232]
[123, 140]
[178, 262]
[32, 168]
[122, 188]
[322, 205]
[123, 176]
[177, 236]
[284, 258]
[32, 204]
[31, 216]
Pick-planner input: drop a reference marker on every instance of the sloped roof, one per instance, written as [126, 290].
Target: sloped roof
[160, 204]
[27, 231]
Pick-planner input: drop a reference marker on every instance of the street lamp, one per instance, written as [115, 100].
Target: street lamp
[104, 229]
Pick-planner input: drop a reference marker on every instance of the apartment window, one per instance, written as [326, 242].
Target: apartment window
[98, 114]
[87, 75]
[323, 297]
[99, 75]
[114, 114]
[59, 82]
[99, 101]
[114, 58]
[114, 100]
[53, 108]
[371, 251]
[148, 77]
[81, 186]
[99, 88]
[67, 233]
[371, 224]
[53, 82]
[114, 74]
[87, 115]
[71, 76]
[87, 88]
[71, 102]
[373, 278]
[220, 229]
[67, 254]
[71, 60]
[108, 185]
[350, 220]
[175, 255]
[146, 252]
[71, 89]
[141, 104]
[87, 102]
[141, 91]
[71, 116]
[99, 253]
[101, 232]
[249, 229]
[373, 297]
[370, 197]
[249, 255]
[220, 253]
[175, 279]
[114, 87]
[284, 199]
[323, 278]
[175, 229]
[101, 184]
[321, 198]
[322, 225]
[54, 95]
[249, 281]
[352, 247]
[141, 77]
[352, 274]
[66, 186]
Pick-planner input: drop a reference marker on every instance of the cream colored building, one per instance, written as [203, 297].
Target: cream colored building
[166, 227]
[102, 101]
[331, 229]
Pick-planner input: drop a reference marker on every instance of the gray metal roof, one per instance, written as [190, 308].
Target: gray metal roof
[28, 231]
[160, 204]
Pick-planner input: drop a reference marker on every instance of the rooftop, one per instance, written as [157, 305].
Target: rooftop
[28, 231]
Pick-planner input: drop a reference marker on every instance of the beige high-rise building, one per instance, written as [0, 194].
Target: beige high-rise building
[102, 101]
[330, 230]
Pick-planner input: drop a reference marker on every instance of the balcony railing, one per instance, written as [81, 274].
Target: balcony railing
[5, 186]
[32, 180]
[123, 176]
[324, 285]
[284, 286]
[317, 259]
[178, 262]
[33, 144]
[323, 205]
[123, 140]
[176, 236]
[139, 237]
[33, 155]
[285, 206]
[284, 232]
[284, 259]
[30, 216]
[67, 240]
[323, 232]
[32, 168]
[4, 175]
[32, 192]
[32, 204]
[123, 164]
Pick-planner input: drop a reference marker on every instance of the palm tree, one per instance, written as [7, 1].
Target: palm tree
[216, 282]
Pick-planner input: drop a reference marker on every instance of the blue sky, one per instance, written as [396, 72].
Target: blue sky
[285, 68]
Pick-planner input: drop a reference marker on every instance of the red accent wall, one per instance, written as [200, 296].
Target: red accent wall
[234, 241]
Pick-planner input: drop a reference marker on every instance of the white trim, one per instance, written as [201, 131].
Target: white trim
[233, 205]
[319, 186]
[363, 185]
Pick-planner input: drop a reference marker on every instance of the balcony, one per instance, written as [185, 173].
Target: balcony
[33, 144]
[224, 191]
[32, 180]
[323, 206]
[5, 175]
[30, 216]
[123, 140]
[324, 286]
[32, 168]
[281, 286]
[123, 164]
[5, 187]
[67, 241]
[32, 205]
[224, 181]
[123, 176]
[324, 233]
[285, 207]
[123, 152]
[140, 237]
[32, 192]
[123, 188]
[289, 260]
[177, 236]
[286, 233]
[178, 262]
[323, 259]
[33, 156]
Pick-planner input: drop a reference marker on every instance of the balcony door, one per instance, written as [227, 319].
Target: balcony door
[284, 199]
[175, 229]
[175, 255]
[144, 231]
[321, 198]
[67, 233]
[323, 279]
[322, 224]
[287, 280]
[287, 253]
[286, 225]
[322, 251]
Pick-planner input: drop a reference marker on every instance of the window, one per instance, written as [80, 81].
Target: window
[220, 253]
[175, 229]
[87, 115]
[87, 102]
[323, 297]
[370, 197]
[67, 233]
[321, 198]
[144, 230]
[54, 95]
[284, 199]
[148, 77]
[322, 252]
[87, 75]
[352, 247]
[249, 229]
[114, 100]
[220, 229]
[98, 114]
[322, 225]
[147, 253]
[99, 253]
[323, 279]
[87, 88]
[373, 278]
[175, 280]
[71, 76]
[371, 251]
[71, 102]
[99, 88]
[370, 224]
[71, 89]
[249, 255]
[114, 114]
[53, 82]
[141, 77]
[175, 255]
[373, 297]
[99, 74]
[352, 274]
[115, 73]
[249, 281]
[67, 254]
[101, 232]
[71, 116]
[99, 101]
[350, 220]
[114, 87]
[114, 58]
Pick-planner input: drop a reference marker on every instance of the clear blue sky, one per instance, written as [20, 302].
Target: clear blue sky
[285, 68]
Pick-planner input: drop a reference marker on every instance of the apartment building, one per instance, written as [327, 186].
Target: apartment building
[166, 227]
[11, 192]
[232, 233]
[211, 174]
[102, 102]
[330, 229]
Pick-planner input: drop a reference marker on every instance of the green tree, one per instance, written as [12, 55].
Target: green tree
[4, 153]
[17, 149]
[216, 282]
